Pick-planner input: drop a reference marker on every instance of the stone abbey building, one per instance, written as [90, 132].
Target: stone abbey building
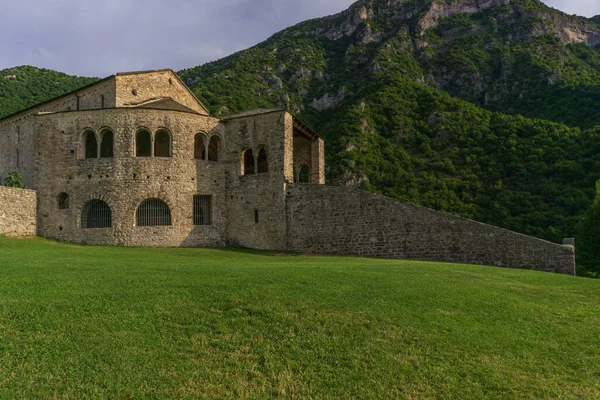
[136, 160]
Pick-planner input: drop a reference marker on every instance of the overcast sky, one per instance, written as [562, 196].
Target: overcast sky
[98, 38]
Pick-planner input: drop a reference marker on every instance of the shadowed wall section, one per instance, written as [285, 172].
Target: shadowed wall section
[343, 220]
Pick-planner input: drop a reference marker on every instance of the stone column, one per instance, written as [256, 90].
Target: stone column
[206, 143]
[98, 144]
[317, 168]
[288, 147]
[255, 156]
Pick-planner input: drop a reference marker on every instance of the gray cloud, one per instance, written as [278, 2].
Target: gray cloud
[93, 38]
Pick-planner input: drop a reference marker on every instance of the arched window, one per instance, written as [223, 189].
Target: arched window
[63, 201]
[162, 144]
[304, 174]
[213, 148]
[199, 147]
[262, 161]
[91, 146]
[143, 144]
[247, 162]
[106, 144]
[96, 214]
[153, 212]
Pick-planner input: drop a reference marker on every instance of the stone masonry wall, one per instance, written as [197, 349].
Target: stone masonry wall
[134, 88]
[17, 212]
[262, 193]
[248, 210]
[124, 181]
[17, 134]
[17, 152]
[343, 220]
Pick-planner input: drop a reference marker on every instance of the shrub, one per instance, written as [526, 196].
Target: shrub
[14, 179]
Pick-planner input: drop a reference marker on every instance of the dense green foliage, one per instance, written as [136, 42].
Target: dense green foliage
[127, 323]
[25, 86]
[526, 175]
[14, 179]
[396, 133]
[588, 239]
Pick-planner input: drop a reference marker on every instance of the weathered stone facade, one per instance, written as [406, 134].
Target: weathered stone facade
[247, 207]
[136, 160]
[344, 220]
[17, 212]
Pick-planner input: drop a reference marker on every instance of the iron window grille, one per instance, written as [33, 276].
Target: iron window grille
[97, 214]
[153, 212]
[202, 210]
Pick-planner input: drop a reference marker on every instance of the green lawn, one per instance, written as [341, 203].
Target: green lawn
[99, 322]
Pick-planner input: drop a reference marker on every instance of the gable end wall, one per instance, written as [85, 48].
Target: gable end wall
[133, 89]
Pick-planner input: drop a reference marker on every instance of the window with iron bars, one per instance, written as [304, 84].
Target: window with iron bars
[153, 212]
[97, 214]
[202, 210]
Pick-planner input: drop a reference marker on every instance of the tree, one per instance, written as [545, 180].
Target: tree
[14, 179]
[588, 240]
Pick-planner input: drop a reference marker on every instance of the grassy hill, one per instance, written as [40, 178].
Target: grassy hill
[102, 322]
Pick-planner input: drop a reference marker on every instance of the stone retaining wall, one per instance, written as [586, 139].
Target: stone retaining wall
[343, 220]
[17, 212]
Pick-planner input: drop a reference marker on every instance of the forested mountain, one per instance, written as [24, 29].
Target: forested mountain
[22, 87]
[424, 100]
[482, 108]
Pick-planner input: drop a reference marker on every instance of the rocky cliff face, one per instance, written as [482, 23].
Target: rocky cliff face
[357, 18]
[570, 29]
[440, 9]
